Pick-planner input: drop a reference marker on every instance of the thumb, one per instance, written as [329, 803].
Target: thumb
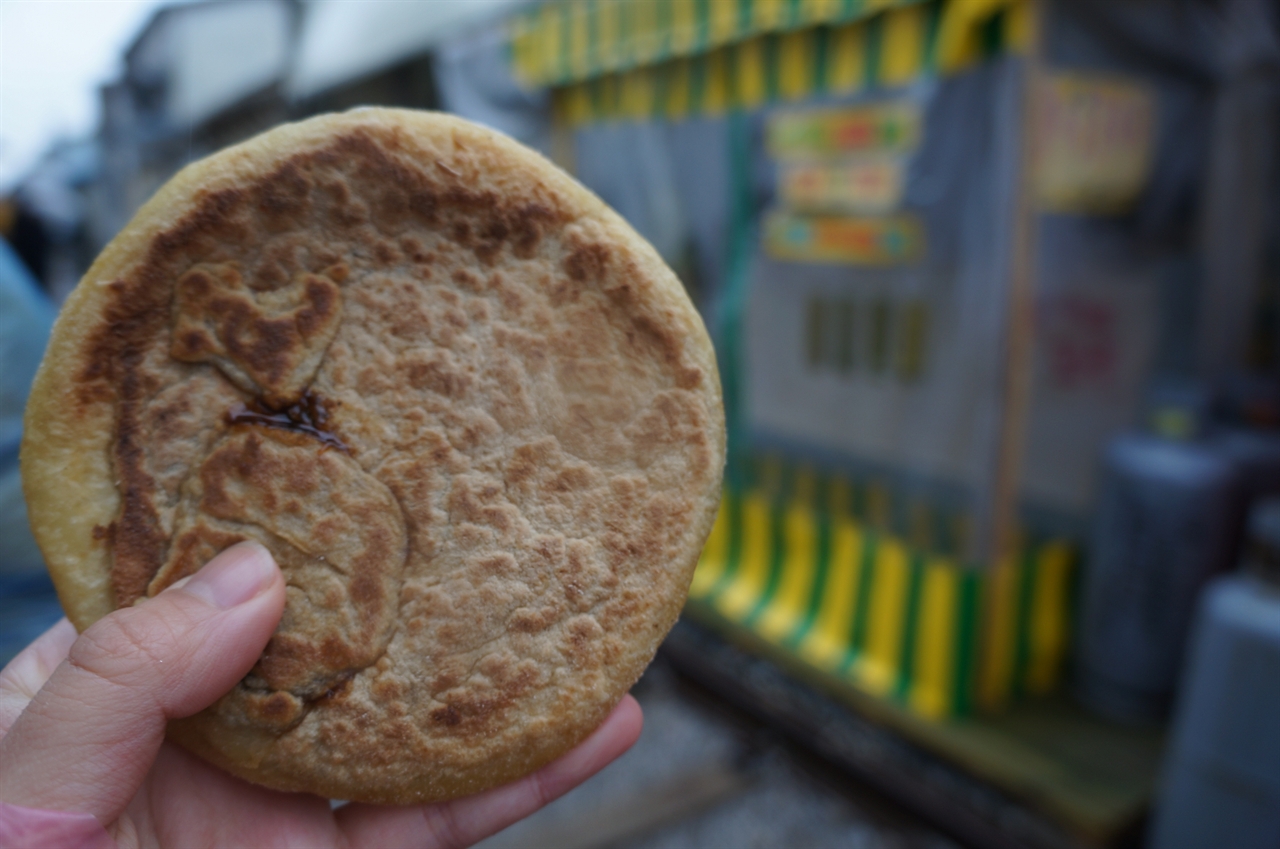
[88, 738]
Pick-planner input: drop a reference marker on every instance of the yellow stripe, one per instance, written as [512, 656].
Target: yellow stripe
[932, 688]
[637, 94]
[715, 96]
[560, 109]
[550, 47]
[608, 93]
[1048, 636]
[848, 61]
[795, 65]
[959, 32]
[608, 35]
[999, 632]
[644, 38]
[578, 104]
[785, 610]
[766, 15]
[714, 554]
[902, 51]
[1019, 26]
[826, 643]
[819, 11]
[876, 670]
[523, 48]
[753, 570]
[724, 20]
[684, 26]
[578, 40]
[678, 86]
[749, 64]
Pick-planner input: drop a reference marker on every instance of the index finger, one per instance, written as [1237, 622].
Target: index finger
[26, 673]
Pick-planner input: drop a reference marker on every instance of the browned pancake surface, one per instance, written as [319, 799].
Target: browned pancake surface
[471, 414]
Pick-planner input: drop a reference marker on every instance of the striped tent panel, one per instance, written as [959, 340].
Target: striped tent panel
[889, 49]
[793, 51]
[568, 41]
[793, 566]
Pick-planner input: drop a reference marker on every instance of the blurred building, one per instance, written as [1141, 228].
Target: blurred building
[197, 78]
[205, 75]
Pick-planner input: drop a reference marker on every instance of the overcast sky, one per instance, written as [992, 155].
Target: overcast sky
[53, 56]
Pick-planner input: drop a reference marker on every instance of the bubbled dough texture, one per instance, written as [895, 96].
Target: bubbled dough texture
[536, 443]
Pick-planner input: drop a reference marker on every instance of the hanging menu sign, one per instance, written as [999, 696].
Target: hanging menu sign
[892, 126]
[878, 240]
[1097, 138]
[866, 184]
[841, 177]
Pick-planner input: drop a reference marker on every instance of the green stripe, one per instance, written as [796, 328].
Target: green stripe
[733, 550]
[661, 89]
[593, 39]
[777, 552]
[965, 643]
[792, 17]
[821, 47]
[992, 35]
[566, 43]
[702, 27]
[772, 49]
[1022, 634]
[849, 9]
[858, 628]
[907, 656]
[744, 18]
[779, 495]
[594, 96]
[933, 24]
[615, 100]
[875, 35]
[729, 321]
[697, 84]
[627, 57]
[944, 538]
[663, 19]
[821, 568]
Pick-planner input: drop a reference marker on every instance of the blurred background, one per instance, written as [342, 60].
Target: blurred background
[995, 287]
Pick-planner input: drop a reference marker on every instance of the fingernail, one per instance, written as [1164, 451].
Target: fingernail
[234, 576]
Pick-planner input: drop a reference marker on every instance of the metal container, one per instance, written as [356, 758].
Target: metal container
[1221, 782]
[1164, 527]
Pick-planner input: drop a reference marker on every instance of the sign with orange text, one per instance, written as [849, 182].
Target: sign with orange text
[887, 240]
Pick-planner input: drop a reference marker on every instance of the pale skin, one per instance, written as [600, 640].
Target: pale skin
[82, 729]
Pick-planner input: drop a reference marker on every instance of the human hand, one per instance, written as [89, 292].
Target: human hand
[82, 724]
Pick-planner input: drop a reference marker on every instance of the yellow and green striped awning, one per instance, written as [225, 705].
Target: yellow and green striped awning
[670, 58]
[838, 591]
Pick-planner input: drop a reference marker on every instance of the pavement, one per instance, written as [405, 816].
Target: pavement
[704, 775]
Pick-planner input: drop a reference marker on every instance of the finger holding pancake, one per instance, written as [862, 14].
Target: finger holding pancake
[471, 414]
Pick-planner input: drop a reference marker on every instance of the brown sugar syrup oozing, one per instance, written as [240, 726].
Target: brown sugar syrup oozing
[308, 415]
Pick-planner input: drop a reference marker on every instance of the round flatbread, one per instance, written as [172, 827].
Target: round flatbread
[471, 413]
